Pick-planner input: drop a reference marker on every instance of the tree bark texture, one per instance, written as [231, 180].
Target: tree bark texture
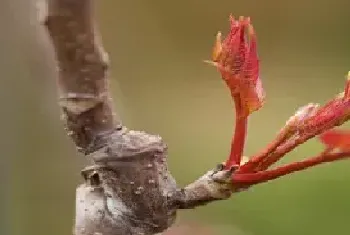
[128, 189]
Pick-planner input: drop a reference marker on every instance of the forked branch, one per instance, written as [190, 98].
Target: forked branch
[128, 189]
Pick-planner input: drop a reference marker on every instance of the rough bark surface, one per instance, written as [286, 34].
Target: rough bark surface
[128, 188]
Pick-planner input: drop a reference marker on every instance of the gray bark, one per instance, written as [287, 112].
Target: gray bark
[128, 188]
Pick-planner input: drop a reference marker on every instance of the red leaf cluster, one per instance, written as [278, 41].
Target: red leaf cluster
[236, 59]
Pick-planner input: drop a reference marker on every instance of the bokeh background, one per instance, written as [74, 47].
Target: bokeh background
[161, 85]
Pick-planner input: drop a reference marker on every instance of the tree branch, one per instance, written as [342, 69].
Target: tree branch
[82, 65]
[128, 188]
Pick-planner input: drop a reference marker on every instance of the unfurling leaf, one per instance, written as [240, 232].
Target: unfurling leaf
[237, 60]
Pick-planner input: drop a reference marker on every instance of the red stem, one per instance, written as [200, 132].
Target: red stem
[238, 140]
[286, 148]
[254, 163]
[263, 176]
[267, 160]
[332, 114]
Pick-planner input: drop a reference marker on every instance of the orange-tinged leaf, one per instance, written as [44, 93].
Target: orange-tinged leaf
[237, 60]
[336, 139]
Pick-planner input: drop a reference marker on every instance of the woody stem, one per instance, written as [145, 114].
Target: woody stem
[238, 140]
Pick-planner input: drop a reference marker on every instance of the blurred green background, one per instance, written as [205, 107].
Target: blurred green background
[161, 85]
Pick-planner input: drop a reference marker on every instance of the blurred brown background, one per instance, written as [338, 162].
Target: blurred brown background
[162, 86]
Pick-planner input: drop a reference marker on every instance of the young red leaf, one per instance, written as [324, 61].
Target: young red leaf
[336, 139]
[237, 60]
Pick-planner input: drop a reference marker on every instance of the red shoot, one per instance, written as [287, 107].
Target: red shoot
[244, 179]
[237, 61]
